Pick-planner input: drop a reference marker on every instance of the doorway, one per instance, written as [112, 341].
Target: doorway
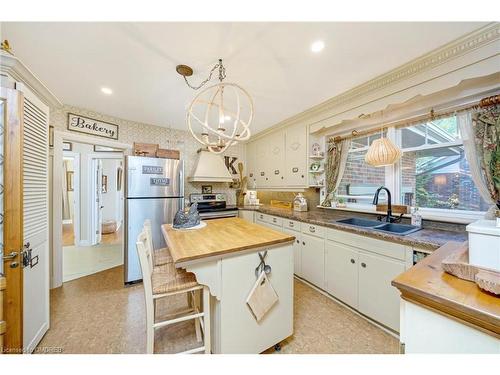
[92, 210]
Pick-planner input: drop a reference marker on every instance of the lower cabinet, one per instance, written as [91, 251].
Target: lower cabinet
[341, 272]
[297, 251]
[313, 260]
[377, 298]
[247, 215]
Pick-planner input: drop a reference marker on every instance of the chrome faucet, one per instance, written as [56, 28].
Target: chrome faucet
[389, 217]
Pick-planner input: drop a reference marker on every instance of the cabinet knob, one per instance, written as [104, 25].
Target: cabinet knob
[353, 261]
[295, 169]
[282, 177]
[363, 265]
[312, 229]
[302, 176]
[274, 220]
[298, 241]
[303, 243]
[291, 224]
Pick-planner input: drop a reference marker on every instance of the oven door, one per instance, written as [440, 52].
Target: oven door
[218, 214]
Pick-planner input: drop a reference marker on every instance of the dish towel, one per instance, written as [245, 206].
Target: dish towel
[262, 297]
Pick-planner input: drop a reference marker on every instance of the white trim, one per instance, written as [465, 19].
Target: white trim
[76, 194]
[59, 137]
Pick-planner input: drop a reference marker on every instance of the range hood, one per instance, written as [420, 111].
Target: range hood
[209, 167]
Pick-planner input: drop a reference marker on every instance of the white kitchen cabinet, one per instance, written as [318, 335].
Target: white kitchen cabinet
[251, 156]
[341, 272]
[377, 298]
[296, 155]
[313, 260]
[274, 165]
[262, 153]
[297, 251]
[248, 215]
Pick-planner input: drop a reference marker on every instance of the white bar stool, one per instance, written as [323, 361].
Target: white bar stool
[165, 281]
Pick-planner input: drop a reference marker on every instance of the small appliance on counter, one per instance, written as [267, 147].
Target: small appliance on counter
[251, 198]
[484, 244]
[300, 203]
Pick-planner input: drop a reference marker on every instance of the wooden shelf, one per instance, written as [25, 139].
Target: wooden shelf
[317, 186]
[318, 171]
[316, 157]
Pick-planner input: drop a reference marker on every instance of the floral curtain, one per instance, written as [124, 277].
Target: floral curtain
[335, 166]
[481, 135]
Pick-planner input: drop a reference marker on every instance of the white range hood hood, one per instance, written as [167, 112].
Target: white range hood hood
[209, 167]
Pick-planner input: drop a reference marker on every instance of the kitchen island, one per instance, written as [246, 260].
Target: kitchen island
[224, 256]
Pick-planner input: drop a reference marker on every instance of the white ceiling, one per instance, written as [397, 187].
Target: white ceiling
[272, 61]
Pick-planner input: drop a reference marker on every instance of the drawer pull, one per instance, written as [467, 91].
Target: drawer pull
[276, 171]
[353, 261]
[261, 216]
[295, 170]
[274, 220]
[262, 173]
[312, 229]
[291, 224]
[303, 243]
[363, 265]
[298, 241]
[251, 174]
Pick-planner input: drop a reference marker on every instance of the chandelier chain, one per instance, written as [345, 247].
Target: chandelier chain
[222, 75]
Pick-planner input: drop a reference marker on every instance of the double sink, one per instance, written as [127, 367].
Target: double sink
[399, 229]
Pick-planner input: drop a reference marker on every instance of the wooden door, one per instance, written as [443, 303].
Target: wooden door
[296, 156]
[11, 120]
[313, 260]
[341, 272]
[377, 298]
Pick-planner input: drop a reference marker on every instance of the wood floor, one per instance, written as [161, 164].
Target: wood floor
[107, 239]
[97, 314]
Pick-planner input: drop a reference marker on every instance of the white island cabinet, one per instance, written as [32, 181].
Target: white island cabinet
[224, 256]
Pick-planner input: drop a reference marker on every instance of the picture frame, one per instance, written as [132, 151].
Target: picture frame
[69, 181]
[67, 146]
[91, 126]
[119, 178]
[104, 188]
[206, 189]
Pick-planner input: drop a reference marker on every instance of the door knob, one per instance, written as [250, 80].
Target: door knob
[10, 256]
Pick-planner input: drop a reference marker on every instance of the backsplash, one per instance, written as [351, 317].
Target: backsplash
[131, 131]
[311, 194]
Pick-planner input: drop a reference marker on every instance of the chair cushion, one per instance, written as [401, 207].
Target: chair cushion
[167, 279]
[162, 256]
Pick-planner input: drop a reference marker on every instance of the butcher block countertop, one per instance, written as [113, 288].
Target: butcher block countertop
[220, 237]
[428, 285]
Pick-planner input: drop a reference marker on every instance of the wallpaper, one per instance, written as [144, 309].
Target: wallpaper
[130, 132]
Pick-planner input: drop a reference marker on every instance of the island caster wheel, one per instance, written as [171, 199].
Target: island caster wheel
[277, 347]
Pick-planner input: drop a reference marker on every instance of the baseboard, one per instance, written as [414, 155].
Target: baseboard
[36, 340]
[368, 319]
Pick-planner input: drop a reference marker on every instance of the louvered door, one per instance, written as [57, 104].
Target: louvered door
[36, 221]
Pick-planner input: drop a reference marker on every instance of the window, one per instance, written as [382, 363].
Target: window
[433, 170]
[432, 173]
[361, 180]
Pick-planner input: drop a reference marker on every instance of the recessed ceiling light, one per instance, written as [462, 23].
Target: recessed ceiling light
[106, 90]
[317, 46]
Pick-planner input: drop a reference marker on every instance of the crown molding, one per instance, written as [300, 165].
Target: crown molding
[12, 67]
[487, 34]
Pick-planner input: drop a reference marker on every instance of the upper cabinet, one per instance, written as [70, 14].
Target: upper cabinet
[278, 159]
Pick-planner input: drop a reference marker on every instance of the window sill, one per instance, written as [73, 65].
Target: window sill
[454, 217]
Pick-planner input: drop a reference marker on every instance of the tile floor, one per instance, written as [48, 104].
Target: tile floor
[97, 314]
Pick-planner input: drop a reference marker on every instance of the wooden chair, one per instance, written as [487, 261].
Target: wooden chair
[165, 281]
[160, 256]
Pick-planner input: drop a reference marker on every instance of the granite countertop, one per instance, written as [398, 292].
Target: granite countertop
[426, 238]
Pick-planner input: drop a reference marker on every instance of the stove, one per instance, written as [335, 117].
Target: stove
[213, 206]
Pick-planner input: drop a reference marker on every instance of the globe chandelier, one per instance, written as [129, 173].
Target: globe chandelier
[220, 115]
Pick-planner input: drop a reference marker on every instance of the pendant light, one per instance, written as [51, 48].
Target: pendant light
[382, 152]
[220, 115]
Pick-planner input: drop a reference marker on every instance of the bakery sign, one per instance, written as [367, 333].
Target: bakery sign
[91, 126]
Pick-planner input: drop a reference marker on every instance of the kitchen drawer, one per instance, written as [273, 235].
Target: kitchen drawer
[270, 219]
[291, 224]
[313, 230]
[386, 248]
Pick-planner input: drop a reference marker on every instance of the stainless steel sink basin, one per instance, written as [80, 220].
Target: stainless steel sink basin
[365, 223]
[400, 229]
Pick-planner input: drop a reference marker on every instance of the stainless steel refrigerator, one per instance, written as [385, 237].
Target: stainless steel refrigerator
[154, 190]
